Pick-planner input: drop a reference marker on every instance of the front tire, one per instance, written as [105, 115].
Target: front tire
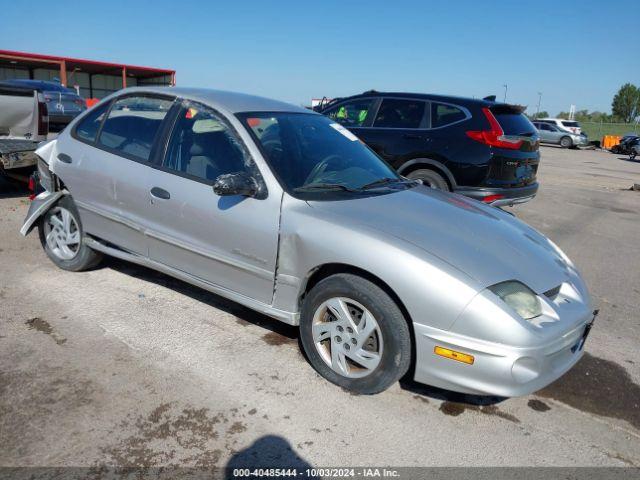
[430, 178]
[566, 142]
[354, 334]
[61, 237]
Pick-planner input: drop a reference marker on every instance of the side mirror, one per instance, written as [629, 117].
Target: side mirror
[239, 183]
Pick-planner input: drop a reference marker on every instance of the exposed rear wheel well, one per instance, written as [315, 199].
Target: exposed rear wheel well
[329, 269]
[428, 166]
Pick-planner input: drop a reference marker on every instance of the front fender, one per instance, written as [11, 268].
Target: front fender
[39, 206]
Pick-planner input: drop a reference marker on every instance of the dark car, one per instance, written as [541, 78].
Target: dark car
[485, 150]
[626, 144]
[63, 103]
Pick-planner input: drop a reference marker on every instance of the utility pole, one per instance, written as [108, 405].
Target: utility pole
[539, 100]
[505, 93]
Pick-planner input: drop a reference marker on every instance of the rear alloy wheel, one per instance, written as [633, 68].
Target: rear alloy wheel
[430, 178]
[566, 142]
[61, 237]
[354, 334]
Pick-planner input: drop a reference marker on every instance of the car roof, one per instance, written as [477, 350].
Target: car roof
[232, 102]
[558, 119]
[37, 84]
[425, 96]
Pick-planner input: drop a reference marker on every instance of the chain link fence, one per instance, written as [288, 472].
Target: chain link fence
[597, 130]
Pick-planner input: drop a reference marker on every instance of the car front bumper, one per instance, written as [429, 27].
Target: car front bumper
[499, 197]
[497, 369]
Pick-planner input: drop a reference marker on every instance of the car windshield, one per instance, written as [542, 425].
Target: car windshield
[310, 153]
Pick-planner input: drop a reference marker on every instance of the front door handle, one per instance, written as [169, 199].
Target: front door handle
[160, 193]
[63, 157]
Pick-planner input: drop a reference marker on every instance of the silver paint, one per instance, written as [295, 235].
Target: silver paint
[436, 251]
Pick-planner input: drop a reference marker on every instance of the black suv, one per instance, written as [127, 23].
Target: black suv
[479, 148]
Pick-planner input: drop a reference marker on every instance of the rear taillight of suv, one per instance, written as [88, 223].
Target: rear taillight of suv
[43, 116]
[495, 136]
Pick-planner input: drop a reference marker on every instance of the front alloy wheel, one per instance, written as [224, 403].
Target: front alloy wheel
[354, 334]
[347, 337]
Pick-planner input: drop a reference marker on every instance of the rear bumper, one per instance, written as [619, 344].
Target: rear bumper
[497, 369]
[499, 197]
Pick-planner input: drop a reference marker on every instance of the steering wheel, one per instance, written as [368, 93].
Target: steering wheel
[320, 167]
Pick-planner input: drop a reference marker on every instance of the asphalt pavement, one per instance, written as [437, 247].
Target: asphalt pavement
[125, 366]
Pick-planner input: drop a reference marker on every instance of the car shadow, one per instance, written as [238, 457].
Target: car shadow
[10, 188]
[243, 314]
[267, 452]
[627, 159]
[426, 392]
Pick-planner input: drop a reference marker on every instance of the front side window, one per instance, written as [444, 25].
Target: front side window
[132, 125]
[351, 114]
[442, 114]
[396, 113]
[88, 127]
[311, 154]
[203, 146]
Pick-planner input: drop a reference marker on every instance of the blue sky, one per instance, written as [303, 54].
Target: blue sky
[576, 52]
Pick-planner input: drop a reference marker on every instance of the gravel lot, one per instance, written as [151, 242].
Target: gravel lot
[125, 366]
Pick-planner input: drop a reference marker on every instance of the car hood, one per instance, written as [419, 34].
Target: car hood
[485, 243]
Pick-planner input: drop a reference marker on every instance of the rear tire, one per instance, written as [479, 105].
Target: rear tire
[354, 334]
[566, 142]
[430, 178]
[61, 237]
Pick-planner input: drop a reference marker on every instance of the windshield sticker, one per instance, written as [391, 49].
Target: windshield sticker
[191, 112]
[344, 131]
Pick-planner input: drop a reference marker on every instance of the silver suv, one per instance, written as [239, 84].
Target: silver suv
[284, 211]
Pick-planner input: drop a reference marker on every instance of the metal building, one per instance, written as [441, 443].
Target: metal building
[92, 79]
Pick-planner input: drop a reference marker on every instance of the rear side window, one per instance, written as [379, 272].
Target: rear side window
[132, 125]
[571, 124]
[442, 114]
[351, 114]
[396, 113]
[514, 123]
[88, 127]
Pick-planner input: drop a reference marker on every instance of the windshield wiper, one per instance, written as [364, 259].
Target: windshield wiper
[323, 186]
[380, 182]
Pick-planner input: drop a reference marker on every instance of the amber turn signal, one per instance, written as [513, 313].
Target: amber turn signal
[453, 355]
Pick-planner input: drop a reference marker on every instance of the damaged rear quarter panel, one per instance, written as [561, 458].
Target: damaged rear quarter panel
[432, 291]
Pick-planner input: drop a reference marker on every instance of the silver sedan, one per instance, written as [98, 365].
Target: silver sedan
[288, 213]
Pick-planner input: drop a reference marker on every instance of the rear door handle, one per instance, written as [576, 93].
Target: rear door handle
[63, 157]
[160, 193]
[413, 136]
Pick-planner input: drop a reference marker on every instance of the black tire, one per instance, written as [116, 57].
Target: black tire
[430, 178]
[632, 155]
[85, 258]
[566, 142]
[395, 357]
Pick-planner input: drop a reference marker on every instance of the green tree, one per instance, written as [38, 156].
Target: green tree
[626, 103]
[542, 114]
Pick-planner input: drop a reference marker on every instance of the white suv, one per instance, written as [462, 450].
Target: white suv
[568, 125]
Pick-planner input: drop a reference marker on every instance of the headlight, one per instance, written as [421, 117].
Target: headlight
[519, 297]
